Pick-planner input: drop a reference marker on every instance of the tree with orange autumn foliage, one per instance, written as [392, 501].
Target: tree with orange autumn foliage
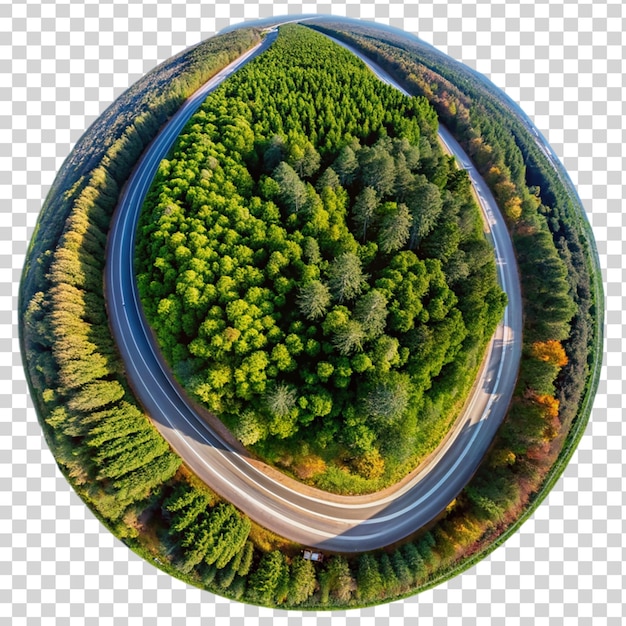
[546, 359]
[550, 351]
[549, 404]
[550, 408]
[465, 530]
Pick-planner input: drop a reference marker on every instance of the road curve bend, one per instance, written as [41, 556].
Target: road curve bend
[297, 512]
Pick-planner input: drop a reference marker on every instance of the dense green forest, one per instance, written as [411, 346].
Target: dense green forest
[560, 284]
[551, 237]
[315, 267]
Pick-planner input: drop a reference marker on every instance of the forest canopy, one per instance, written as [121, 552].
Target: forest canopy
[313, 265]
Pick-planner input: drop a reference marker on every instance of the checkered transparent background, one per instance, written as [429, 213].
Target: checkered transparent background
[61, 64]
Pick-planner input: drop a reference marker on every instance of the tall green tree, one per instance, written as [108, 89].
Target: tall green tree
[291, 190]
[401, 570]
[302, 581]
[337, 580]
[369, 580]
[346, 165]
[345, 277]
[394, 228]
[364, 210]
[281, 400]
[377, 168]
[269, 583]
[314, 299]
[304, 158]
[424, 203]
[275, 153]
[349, 337]
[371, 312]
[387, 400]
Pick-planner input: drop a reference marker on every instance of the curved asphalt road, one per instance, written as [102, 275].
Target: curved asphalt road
[306, 515]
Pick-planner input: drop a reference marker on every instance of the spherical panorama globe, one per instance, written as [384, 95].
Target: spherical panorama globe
[312, 315]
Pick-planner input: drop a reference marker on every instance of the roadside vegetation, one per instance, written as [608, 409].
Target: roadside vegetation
[112, 454]
[315, 268]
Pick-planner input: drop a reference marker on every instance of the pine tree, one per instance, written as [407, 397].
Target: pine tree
[393, 231]
[268, 581]
[387, 400]
[369, 580]
[349, 338]
[364, 210]
[302, 581]
[313, 299]
[371, 311]
[281, 400]
[346, 165]
[388, 575]
[292, 191]
[346, 279]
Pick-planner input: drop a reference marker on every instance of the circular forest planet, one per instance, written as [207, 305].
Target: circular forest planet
[311, 316]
